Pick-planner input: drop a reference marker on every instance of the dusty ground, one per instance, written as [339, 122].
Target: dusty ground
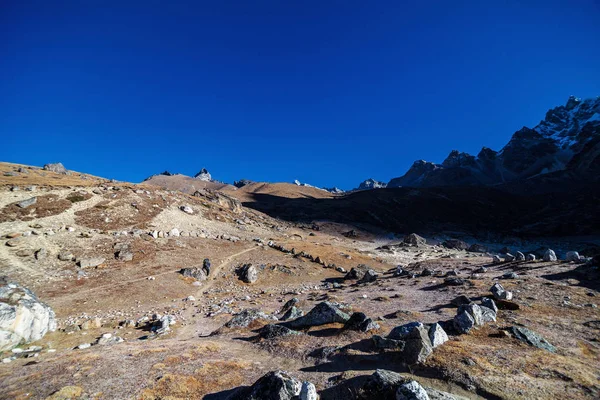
[195, 362]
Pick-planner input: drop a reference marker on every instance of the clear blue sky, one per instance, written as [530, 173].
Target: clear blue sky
[330, 93]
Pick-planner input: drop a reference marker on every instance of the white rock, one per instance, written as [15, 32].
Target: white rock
[84, 346]
[550, 255]
[437, 335]
[411, 391]
[573, 256]
[174, 232]
[308, 391]
[23, 317]
[187, 209]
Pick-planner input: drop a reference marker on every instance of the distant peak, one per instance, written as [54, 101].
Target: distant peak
[572, 102]
[203, 175]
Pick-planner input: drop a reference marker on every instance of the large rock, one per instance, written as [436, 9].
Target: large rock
[248, 273]
[499, 293]
[369, 276]
[322, 314]
[89, 262]
[463, 322]
[456, 244]
[550, 255]
[245, 317]
[358, 272]
[275, 385]
[382, 384]
[411, 391]
[26, 203]
[437, 335]
[573, 256]
[308, 391]
[531, 338]
[417, 343]
[292, 313]
[360, 322]
[56, 167]
[271, 331]
[23, 317]
[194, 272]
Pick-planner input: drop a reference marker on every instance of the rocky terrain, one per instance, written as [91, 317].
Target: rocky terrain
[112, 290]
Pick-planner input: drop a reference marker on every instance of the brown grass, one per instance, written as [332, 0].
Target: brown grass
[45, 206]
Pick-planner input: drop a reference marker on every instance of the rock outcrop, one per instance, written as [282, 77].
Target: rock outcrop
[23, 317]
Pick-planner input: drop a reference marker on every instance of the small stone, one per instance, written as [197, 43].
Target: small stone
[89, 262]
[27, 203]
[65, 255]
[187, 209]
[41, 254]
[84, 346]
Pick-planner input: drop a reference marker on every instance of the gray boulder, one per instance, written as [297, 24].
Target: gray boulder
[531, 338]
[530, 257]
[550, 255]
[437, 335]
[382, 343]
[89, 262]
[382, 384]
[275, 385]
[489, 303]
[499, 293]
[322, 314]
[496, 259]
[411, 391]
[456, 244]
[357, 272]
[194, 272]
[308, 391]
[248, 273]
[402, 331]
[292, 313]
[369, 276]
[244, 318]
[509, 257]
[55, 167]
[573, 256]
[360, 322]
[418, 346]
[475, 311]
[520, 256]
[271, 331]
[463, 322]
[23, 317]
[26, 203]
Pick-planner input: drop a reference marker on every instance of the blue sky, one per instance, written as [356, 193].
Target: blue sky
[330, 93]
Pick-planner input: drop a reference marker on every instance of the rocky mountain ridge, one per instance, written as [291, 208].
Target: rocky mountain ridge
[567, 139]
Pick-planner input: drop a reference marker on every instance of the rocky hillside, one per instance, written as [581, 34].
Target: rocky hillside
[567, 139]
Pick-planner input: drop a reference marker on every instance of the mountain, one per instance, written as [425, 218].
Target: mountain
[203, 175]
[371, 184]
[567, 139]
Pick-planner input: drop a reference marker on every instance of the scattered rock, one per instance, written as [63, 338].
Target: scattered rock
[23, 317]
[463, 322]
[360, 322]
[531, 338]
[460, 300]
[308, 391]
[244, 318]
[90, 262]
[510, 275]
[382, 384]
[323, 313]
[247, 273]
[411, 391]
[520, 256]
[477, 248]
[530, 257]
[573, 256]
[275, 385]
[187, 209]
[271, 331]
[27, 203]
[124, 255]
[292, 313]
[496, 259]
[455, 244]
[550, 255]
[65, 255]
[437, 335]
[357, 272]
[194, 272]
[509, 257]
[382, 343]
[369, 276]
[206, 266]
[56, 167]
[499, 293]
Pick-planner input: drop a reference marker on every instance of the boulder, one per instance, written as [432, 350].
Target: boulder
[509, 257]
[414, 240]
[531, 338]
[206, 266]
[496, 259]
[40, 254]
[55, 167]
[487, 314]
[411, 391]
[402, 331]
[530, 257]
[194, 272]
[360, 322]
[357, 272]
[382, 384]
[463, 322]
[477, 248]
[247, 273]
[437, 335]
[369, 276]
[27, 203]
[89, 262]
[417, 343]
[244, 318]
[65, 255]
[289, 304]
[187, 209]
[323, 313]
[308, 391]
[520, 256]
[573, 256]
[460, 300]
[174, 232]
[271, 331]
[292, 313]
[275, 385]
[382, 343]
[23, 317]
[456, 244]
[475, 311]
[499, 293]
[550, 255]
[489, 303]
[124, 255]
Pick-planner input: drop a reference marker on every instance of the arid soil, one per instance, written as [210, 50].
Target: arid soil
[199, 358]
